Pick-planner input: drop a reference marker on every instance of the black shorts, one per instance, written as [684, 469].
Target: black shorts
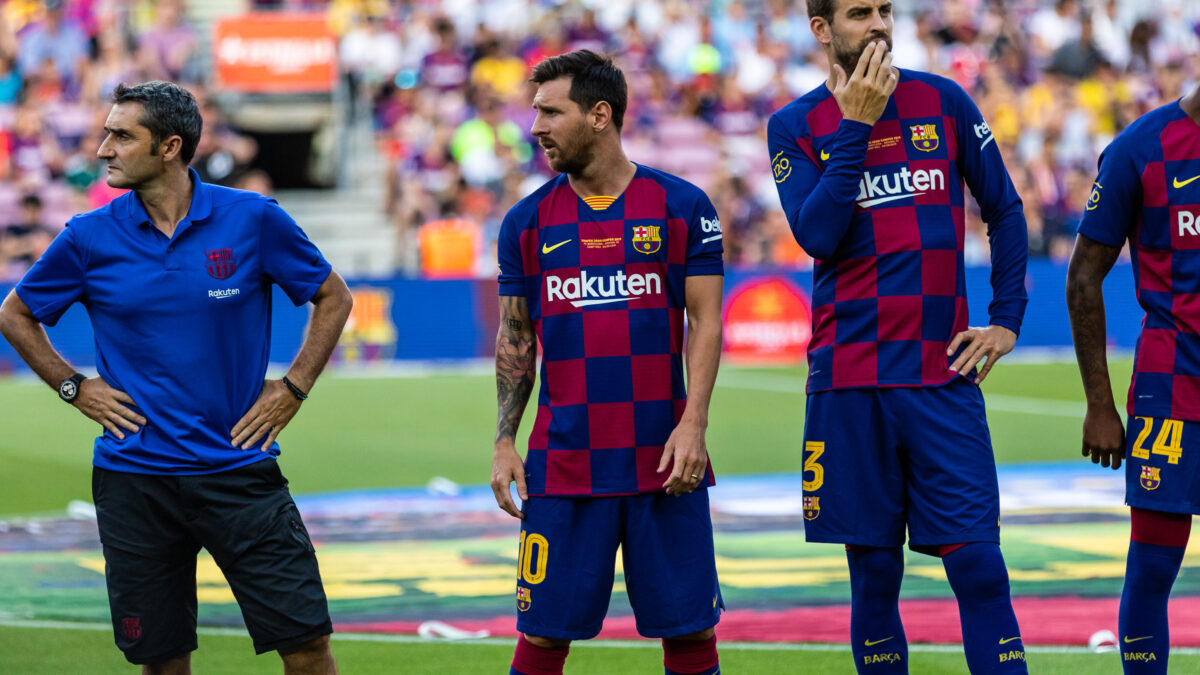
[152, 527]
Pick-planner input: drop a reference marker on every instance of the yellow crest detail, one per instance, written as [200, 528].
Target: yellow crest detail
[1094, 198]
[812, 507]
[924, 137]
[646, 238]
[524, 598]
[1151, 477]
[781, 166]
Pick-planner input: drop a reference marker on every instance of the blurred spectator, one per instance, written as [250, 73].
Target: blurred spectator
[52, 39]
[170, 48]
[24, 241]
[1078, 58]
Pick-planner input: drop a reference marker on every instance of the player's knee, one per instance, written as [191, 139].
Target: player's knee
[876, 565]
[180, 665]
[706, 634]
[976, 572]
[547, 643]
[1159, 528]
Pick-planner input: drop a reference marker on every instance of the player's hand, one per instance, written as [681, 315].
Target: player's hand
[864, 94]
[275, 407]
[1104, 436]
[106, 405]
[686, 445]
[982, 343]
[506, 468]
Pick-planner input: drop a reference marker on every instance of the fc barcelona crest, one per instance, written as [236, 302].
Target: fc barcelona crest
[924, 137]
[219, 263]
[646, 239]
[523, 599]
[131, 628]
[1150, 477]
[812, 507]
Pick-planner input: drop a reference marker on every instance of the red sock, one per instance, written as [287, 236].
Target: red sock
[531, 659]
[690, 656]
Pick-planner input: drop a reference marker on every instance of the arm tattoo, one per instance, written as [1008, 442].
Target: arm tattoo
[1090, 263]
[516, 356]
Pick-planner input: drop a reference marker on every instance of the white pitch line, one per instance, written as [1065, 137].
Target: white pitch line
[1027, 405]
[623, 644]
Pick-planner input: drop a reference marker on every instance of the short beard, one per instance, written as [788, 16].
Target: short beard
[573, 164]
[847, 56]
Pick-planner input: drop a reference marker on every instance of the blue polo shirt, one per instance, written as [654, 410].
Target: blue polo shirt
[182, 324]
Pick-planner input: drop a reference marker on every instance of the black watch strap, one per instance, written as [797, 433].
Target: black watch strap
[68, 389]
[296, 391]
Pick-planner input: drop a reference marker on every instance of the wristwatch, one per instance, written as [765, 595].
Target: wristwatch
[69, 388]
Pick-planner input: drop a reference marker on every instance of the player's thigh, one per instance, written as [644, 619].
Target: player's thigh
[565, 562]
[853, 481]
[256, 535]
[670, 565]
[149, 565]
[953, 495]
[1162, 465]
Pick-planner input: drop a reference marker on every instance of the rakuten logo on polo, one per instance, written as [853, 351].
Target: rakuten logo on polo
[589, 289]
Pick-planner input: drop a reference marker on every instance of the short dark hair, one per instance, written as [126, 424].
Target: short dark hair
[822, 8]
[31, 200]
[594, 78]
[167, 110]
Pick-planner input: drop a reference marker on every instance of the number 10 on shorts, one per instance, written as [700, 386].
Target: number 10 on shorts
[531, 558]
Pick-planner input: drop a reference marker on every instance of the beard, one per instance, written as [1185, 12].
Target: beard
[572, 157]
[847, 55]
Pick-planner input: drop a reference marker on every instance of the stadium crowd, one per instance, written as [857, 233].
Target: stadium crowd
[444, 87]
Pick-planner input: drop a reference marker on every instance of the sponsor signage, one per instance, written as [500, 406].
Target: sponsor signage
[767, 319]
[274, 53]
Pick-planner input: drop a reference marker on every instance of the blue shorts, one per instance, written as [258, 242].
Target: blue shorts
[878, 460]
[1162, 467]
[568, 553]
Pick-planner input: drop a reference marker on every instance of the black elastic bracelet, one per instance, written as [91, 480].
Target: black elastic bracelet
[296, 391]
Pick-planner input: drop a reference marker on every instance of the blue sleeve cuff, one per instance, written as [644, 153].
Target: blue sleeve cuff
[1010, 322]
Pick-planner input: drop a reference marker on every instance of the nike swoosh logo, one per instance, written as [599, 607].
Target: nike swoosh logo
[872, 644]
[824, 156]
[873, 202]
[546, 249]
[1004, 642]
[1177, 183]
[1147, 637]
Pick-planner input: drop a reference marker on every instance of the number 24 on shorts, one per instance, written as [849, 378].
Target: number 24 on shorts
[1169, 441]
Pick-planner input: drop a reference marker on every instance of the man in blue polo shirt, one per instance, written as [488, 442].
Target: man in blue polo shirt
[176, 276]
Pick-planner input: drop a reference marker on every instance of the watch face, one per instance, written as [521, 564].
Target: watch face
[68, 389]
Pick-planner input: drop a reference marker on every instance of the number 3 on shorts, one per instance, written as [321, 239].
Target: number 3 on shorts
[813, 451]
[531, 558]
[1169, 441]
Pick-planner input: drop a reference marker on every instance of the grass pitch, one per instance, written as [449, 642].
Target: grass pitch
[367, 433]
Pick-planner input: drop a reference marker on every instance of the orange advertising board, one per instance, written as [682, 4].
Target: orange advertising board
[274, 53]
[767, 320]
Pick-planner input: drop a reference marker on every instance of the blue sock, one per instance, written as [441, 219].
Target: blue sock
[991, 637]
[876, 634]
[1150, 572]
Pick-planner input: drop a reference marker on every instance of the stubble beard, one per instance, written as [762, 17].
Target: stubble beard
[847, 56]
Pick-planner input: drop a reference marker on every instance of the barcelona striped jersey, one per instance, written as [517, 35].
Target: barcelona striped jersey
[604, 280]
[881, 210]
[1148, 192]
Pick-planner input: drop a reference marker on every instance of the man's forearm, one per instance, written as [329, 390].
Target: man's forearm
[331, 308]
[1085, 305]
[29, 339]
[516, 358]
[703, 359]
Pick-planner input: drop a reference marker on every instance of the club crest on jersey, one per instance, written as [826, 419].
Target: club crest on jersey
[812, 507]
[131, 628]
[924, 137]
[646, 239]
[1150, 477]
[524, 601]
[220, 263]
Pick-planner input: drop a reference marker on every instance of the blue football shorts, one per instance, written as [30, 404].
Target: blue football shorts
[567, 557]
[1162, 465]
[879, 460]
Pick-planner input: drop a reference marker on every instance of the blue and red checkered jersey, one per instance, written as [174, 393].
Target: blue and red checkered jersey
[881, 211]
[605, 288]
[1148, 192]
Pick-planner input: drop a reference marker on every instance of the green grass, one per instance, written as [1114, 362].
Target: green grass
[36, 652]
[356, 433]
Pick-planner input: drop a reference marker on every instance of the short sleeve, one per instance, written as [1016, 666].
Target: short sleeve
[508, 254]
[57, 280]
[289, 258]
[705, 246]
[1112, 207]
